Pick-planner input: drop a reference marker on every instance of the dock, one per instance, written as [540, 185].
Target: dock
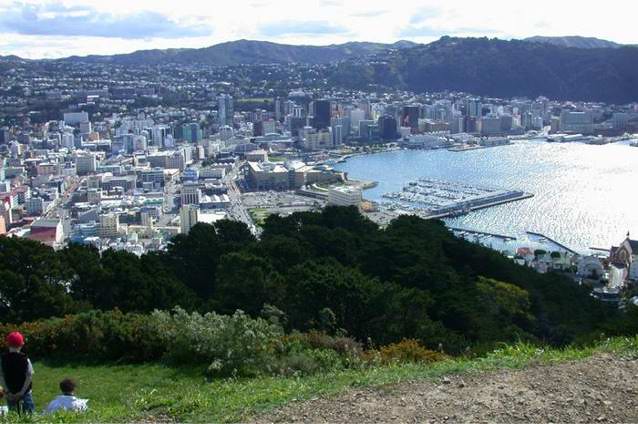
[562, 246]
[482, 233]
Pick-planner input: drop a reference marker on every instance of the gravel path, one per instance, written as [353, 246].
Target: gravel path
[600, 389]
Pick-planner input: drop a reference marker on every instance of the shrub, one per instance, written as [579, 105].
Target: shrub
[307, 353]
[94, 335]
[231, 344]
[307, 361]
[320, 340]
[408, 350]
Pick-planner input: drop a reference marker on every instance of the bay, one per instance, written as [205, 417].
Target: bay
[584, 195]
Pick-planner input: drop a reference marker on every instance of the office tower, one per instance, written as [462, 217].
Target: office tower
[225, 109]
[473, 108]
[387, 128]
[85, 163]
[188, 216]
[192, 132]
[5, 135]
[321, 114]
[410, 117]
[356, 116]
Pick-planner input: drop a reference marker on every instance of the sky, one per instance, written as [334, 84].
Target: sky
[49, 28]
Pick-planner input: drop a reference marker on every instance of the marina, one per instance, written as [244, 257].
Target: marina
[576, 187]
[433, 198]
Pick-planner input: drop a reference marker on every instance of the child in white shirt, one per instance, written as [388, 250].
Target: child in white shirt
[67, 401]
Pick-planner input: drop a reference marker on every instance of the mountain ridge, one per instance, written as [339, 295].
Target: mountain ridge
[575, 41]
[499, 68]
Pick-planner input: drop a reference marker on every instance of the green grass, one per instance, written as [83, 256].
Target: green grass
[258, 215]
[134, 392]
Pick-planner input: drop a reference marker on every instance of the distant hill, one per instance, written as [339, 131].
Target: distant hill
[248, 52]
[501, 68]
[575, 41]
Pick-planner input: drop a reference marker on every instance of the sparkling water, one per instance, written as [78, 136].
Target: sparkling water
[584, 195]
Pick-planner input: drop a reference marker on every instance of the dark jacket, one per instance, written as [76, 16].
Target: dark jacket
[15, 368]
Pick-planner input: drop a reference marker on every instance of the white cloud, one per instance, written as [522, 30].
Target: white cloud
[188, 23]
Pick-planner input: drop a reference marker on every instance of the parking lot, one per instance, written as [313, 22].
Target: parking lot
[278, 202]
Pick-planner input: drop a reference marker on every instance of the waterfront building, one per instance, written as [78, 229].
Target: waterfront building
[410, 117]
[344, 196]
[577, 122]
[490, 125]
[387, 128]
[625, 257]
[356, 116]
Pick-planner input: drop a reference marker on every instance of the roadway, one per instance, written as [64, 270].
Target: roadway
[237, 210]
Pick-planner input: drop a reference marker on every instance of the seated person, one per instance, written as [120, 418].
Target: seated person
[67, 400]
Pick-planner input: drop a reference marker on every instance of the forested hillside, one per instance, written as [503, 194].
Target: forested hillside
[500, 68]
[333, 271]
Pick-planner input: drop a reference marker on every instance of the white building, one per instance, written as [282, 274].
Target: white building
[190, 194]
[74, 118]
[108, 225]
[85, 163]
[188, 216]
[344, 196]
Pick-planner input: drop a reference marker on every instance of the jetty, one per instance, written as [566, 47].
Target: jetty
[439, 199]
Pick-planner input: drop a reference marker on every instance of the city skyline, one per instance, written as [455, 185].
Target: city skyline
[46, 29]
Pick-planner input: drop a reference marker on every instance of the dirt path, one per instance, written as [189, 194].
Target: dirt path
[600, 389]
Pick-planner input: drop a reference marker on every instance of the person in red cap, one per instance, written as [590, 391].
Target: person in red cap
[17, 374]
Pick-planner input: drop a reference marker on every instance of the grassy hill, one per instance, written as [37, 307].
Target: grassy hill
[124, 393]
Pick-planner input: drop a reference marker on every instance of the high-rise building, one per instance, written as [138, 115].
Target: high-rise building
[192, 133]
[225, 109]
[188, 216]
[85, 163]
[280, 109]
[321, 114]
[108, 225]
[158, 134]
[190, 194]
[356, 116]
[5, 135]
[473, 108]
[387, 128]
[410, 117]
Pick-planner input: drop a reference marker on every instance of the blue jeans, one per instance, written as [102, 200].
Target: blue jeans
[23, 405]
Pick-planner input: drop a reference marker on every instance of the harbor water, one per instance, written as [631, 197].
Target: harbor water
[584, 195]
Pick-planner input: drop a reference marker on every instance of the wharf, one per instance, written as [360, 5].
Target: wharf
[562, 246]
[501, 236]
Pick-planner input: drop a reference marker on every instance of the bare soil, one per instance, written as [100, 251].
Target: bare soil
[603, 389]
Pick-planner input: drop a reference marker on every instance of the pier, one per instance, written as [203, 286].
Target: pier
[437, 199]
[483, 233]
[562, 246]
